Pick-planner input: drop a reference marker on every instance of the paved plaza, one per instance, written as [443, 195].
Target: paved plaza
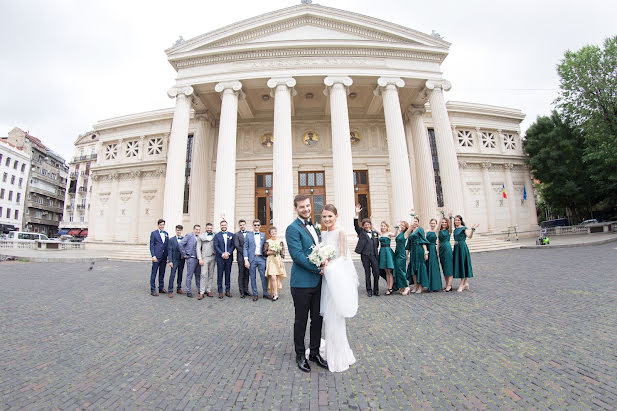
[537, 330]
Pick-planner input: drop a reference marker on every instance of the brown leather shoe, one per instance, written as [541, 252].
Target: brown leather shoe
[201, 296]
[209, 294]
[170, 295]
[180, 292]
[220, 295]
[154, 293]
[228, 294]
[255, 298]
[268, 297]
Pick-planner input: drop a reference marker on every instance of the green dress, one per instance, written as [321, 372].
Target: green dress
[445, 253]
[461, 261]
[386, 255]
[417, 265]
[400, 261]
[434, 275]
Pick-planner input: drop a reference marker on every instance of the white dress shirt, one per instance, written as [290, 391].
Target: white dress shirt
[162, 234]
[311, 230]
[257, 243]
[225, 238]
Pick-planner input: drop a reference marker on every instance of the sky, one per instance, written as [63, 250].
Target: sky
[66, 64]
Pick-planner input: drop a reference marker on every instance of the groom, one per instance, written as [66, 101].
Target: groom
[305, 283]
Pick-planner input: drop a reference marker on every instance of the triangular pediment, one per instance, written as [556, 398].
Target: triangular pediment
[307, 25]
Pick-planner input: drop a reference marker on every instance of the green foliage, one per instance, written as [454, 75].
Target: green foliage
[588, 100]
[556, 153]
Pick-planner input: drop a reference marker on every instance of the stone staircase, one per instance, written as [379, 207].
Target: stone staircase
[131, 253]
[480, 243]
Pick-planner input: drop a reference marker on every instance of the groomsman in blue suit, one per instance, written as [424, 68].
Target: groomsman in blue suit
[255, 259]
[176, 262]
[158, 251]
[305, 283]
[223, 251]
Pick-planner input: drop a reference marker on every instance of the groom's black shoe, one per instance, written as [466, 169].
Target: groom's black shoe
[320, 361]
[303, 363]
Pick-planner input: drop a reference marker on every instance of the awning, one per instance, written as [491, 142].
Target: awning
[64, 231]
[74, 231]
[84, 233]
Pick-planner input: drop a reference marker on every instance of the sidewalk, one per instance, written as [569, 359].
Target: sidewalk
[88, 256]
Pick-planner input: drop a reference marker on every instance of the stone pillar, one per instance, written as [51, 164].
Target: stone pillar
[427, 193]
[337, 88]
[176, 157]
[134, 214]
[510, 193]
[225, 180]
[200, 172]
[488, 196]
[448, 165]
[282, 171]
[402, 195]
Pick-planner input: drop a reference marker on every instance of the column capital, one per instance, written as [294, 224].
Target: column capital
[384, 83]
[332, 80]
[235, 86]
[415, 111]
[508, 166]
[444, 85]
[486, 164]
[206, 117]
[175, 91]
[290, 82]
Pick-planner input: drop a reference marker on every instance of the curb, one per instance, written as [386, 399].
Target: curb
[598, 242]
[35, 259]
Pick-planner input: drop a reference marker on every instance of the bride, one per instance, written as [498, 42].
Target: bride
[339, 295]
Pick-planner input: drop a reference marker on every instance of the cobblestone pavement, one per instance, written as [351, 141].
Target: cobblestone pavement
[537, 330]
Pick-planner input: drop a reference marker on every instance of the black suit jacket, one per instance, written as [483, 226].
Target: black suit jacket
[239, 245]
[365, 245]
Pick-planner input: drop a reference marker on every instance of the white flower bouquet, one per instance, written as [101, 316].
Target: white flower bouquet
[276, 248]
[321, 252]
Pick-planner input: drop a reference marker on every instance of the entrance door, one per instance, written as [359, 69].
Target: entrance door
[312, 183]
[361, 192]
[263, 200]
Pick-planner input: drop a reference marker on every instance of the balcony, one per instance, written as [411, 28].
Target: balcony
[46, 207]
[37, 190]
[83, 189]
[44, 221]
[81, 206]
[47, 177]
[74, 174]
[88, 157]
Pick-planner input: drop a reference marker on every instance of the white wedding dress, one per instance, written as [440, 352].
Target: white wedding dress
[339, 300]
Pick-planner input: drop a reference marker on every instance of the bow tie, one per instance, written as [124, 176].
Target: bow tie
[257, 233]
[160, 232]
[180, 238]
[243, 232]
[224, 232]
[308, 222]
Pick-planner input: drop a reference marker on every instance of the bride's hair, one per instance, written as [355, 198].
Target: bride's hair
[330, 207]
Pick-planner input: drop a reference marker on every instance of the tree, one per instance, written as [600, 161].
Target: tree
[556, 152]
[588, 100]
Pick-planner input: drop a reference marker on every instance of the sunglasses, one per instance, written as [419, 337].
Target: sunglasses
[256, 225]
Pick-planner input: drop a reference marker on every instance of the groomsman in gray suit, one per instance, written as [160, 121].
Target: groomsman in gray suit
[205, 254]
[188, 248]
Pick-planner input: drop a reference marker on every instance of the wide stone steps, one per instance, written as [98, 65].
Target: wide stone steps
[131, 253]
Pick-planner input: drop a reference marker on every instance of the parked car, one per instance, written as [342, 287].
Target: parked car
[590, 221]
[22, 235]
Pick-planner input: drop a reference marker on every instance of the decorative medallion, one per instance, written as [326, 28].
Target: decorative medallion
[354, 137]
[267, 140]
[310, 138]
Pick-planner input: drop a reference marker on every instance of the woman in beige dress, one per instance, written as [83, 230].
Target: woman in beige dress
[275, 269]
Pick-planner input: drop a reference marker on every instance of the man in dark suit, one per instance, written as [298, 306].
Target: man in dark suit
[158, 251]
[243, 272]
[367, 247]
[305, 283]
[176, 262]
[223, 251]
[255, 259]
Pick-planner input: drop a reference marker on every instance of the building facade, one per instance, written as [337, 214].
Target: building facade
[15, 171]
[309, 99]
[45, 186]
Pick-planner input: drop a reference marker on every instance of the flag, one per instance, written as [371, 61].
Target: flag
[524, 193]
[503, 191]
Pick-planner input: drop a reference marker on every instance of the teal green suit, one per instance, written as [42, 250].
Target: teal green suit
[304, 274]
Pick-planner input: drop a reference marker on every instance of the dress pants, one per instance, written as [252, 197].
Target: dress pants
[243, 276]
[192, 269]
[307, 301]
[223, 268]
[178, 266]
[160, 267]
[207, 275]
[258, 263]
[370, 262]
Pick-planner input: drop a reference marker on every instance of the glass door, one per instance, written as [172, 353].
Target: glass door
[312, 183]
[263, 200]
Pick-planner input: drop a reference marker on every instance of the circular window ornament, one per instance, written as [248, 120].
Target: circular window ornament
[310, 138]
[354, 137]
[267, 140]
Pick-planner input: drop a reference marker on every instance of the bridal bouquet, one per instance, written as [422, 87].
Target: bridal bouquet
[276, 248]
[321, 252]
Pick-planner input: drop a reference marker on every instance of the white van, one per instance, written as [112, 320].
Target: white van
[22, 235]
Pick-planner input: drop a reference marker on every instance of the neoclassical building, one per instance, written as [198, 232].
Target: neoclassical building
[308, 99]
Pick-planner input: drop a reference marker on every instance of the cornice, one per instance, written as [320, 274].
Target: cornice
[484, 109]
[138, 118]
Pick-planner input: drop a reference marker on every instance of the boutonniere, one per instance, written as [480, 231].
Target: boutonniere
[318, 227]
[374, 235]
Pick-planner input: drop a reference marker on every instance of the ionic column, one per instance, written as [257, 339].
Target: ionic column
[488, 196]
[337, 88]
[282, 171]
[200, 172]
[136, 206]
[176, 157]
[448, 165]
[510, 193]
[402, 195]
[427, 193]
[225, 181]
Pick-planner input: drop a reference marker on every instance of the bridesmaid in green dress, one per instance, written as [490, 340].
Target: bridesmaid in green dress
[461, 262]
[386, 255]
[400, 258]
[418, 254]
[434, 274]
[445, 252]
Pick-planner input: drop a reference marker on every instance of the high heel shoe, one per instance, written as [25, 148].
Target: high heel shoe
[447, 290]
[405, 291]
[389, 291]
[466, 287]
[419, 290]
